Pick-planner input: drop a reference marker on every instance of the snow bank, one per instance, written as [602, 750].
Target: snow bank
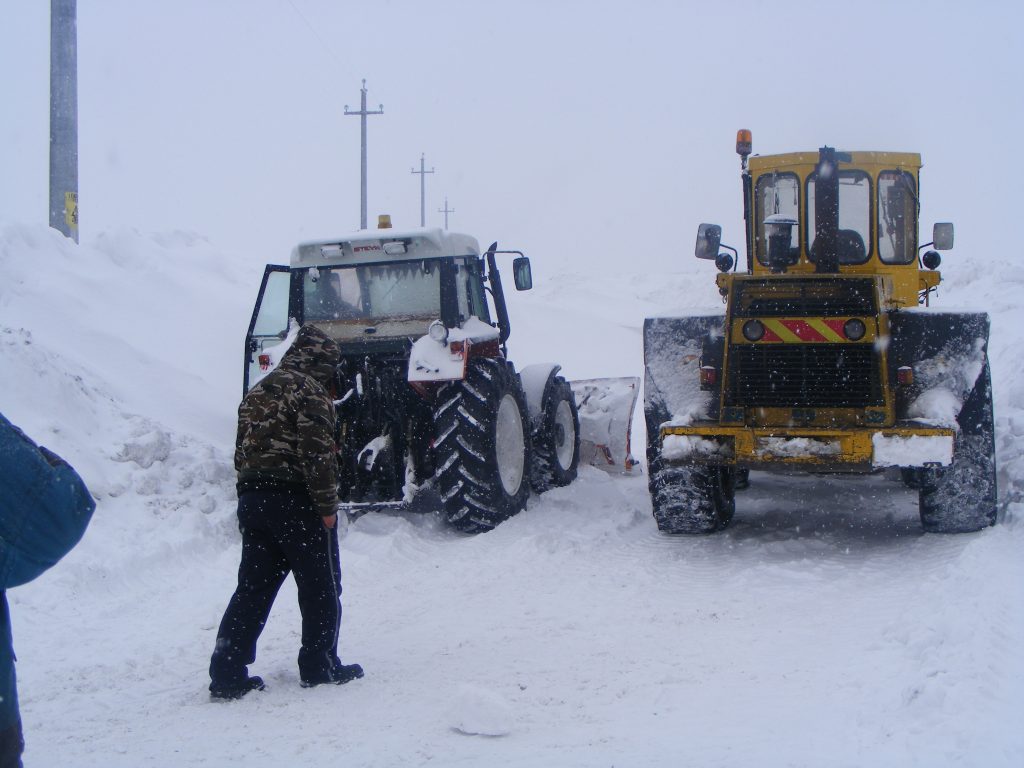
[823, 619]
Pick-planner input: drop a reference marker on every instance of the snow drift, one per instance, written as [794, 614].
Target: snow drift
[822, 628]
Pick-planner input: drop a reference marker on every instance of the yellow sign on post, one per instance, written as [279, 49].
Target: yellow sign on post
[71, 210]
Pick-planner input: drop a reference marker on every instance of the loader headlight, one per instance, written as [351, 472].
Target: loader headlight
[753, 330]
[854, 329]
[438, 332]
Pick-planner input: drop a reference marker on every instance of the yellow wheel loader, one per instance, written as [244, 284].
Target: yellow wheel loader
[827, 358]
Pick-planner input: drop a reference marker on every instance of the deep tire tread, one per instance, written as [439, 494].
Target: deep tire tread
[472, 495]
[546, 472]
[962, 497]
[691, 499]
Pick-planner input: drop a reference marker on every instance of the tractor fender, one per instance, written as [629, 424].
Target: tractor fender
[536, 380]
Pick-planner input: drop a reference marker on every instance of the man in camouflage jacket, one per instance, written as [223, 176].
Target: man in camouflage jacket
[287, 507]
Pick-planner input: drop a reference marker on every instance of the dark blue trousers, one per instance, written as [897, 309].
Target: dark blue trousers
[281, 534]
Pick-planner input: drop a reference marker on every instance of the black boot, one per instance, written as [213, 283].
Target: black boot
[339, 674]
[236, 689]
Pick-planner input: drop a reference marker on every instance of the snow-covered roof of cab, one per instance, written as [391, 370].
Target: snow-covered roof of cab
[379, 245]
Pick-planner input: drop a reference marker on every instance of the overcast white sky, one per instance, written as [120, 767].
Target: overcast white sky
[581, 132]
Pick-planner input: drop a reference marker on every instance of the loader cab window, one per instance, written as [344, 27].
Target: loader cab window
[469, 287]
[776, 194]
[897, 217]
[854, 237]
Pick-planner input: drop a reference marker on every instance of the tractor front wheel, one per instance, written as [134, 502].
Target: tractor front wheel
[556, 442]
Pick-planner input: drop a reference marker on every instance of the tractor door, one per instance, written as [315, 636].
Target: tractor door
[269, 324]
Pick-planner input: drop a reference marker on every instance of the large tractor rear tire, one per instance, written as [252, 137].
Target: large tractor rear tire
[962, 497]
[482, 450]
[694, 498]
[556, 442]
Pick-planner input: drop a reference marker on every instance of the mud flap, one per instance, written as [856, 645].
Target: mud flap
[606, 417]
[948, 351]
[949, 354]
[672, 351]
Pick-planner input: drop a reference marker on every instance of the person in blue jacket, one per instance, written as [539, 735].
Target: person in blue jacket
[44, 510]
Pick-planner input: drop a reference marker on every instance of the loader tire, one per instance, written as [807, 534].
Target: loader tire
[481, 449]
[692, 499]
[911, 477]
[962, 497]
[556, 442]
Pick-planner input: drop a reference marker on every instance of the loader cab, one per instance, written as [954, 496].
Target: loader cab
[831, 212]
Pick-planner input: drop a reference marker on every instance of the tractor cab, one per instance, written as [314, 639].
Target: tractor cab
[425, 395]
[379, 288]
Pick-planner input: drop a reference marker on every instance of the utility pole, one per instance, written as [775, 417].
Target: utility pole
[423, 189]
[64, 117]
[446, 210]
[362, 156]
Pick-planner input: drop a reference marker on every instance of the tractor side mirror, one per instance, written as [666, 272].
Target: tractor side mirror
[709, 238]
[522, 274]
[942, 235]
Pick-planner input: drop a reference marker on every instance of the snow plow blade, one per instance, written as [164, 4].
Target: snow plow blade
[606, 417]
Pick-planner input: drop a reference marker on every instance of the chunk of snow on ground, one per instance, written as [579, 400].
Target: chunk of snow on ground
[476, 711]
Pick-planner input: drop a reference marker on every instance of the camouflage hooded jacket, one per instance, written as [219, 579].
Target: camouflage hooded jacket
[286, 424]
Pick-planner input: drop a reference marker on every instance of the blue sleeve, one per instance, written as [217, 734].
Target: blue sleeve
[44, 507]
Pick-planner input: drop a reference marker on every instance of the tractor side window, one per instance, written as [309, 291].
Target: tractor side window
[897, 217]
[854, 237]
[776, 193]
[470, 288]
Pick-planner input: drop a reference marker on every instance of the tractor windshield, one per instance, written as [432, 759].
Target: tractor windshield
[395, 299]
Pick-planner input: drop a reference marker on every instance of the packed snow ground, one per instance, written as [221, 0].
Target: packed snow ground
[823, 628]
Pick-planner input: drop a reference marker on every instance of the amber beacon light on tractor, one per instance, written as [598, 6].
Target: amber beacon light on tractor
[827, 358]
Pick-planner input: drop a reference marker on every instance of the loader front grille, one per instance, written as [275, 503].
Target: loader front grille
[804, 297]
[804, 376]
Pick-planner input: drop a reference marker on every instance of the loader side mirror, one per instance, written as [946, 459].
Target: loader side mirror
[942, 235]
[522, 274]
[709, 238]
